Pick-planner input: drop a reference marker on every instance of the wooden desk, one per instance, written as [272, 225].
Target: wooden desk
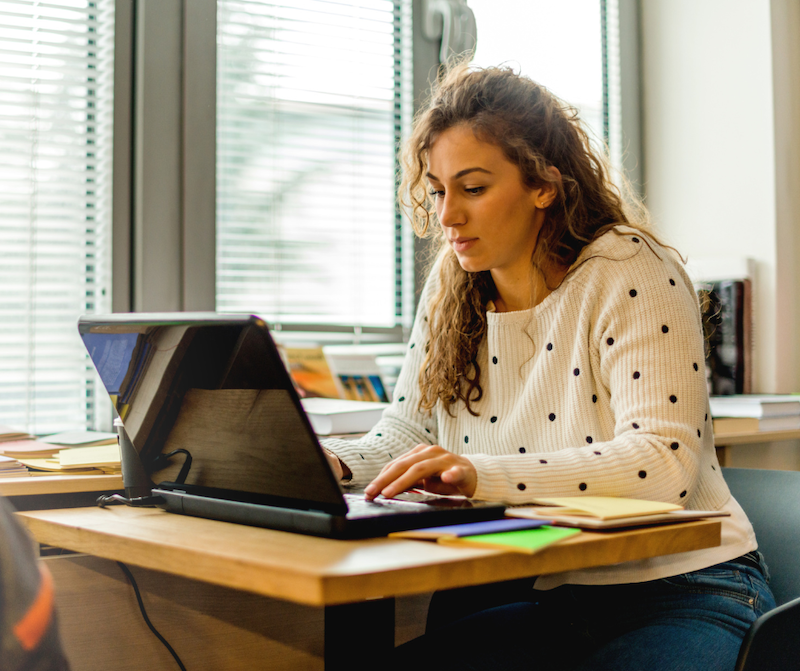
[355, 582]
[57, 491]
[723, 441]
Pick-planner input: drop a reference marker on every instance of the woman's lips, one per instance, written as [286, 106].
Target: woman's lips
[463, 244]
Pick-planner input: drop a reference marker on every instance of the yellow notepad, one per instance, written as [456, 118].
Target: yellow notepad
[604, 507]
[99, 456]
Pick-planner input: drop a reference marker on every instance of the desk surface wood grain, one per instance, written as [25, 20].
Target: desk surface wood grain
[36, 485]
[319, 571]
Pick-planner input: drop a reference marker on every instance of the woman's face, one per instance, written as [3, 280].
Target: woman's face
[489, 216]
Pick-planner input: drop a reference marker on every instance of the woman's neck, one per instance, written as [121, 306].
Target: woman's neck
[515, 294]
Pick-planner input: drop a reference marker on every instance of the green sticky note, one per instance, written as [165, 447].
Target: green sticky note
[527, 540]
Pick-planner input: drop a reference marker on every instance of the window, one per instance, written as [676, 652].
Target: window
[56, 82]
[311, 101]
[557, 44]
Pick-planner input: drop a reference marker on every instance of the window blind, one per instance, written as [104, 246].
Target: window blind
[313, 96]
[56, 83]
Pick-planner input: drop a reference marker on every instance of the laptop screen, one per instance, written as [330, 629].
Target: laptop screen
[214, 385]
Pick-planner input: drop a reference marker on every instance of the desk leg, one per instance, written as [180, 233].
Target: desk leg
[366, 629]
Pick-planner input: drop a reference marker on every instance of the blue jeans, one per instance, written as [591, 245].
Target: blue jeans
[689, 622]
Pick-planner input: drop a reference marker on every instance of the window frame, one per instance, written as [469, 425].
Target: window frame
[164, 256]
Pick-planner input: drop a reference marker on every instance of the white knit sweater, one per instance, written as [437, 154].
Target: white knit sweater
[598, 390]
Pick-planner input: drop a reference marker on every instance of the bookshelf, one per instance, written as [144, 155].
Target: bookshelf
[723, 441]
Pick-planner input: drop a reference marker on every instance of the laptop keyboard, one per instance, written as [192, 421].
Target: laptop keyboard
[358, 506]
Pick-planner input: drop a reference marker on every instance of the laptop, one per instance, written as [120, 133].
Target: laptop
[208, 405]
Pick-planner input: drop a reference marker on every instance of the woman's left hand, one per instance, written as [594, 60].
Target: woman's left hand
[429, 467]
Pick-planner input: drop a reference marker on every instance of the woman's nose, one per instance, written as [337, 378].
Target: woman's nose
[450, 214]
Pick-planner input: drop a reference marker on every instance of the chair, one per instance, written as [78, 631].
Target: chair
[771, 500]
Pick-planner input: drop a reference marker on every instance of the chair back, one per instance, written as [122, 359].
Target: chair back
[771, 500]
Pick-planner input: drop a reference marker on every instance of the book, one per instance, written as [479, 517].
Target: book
[357, 372]
[725, 425]
[310, 372]
[469, 529]
[527, 541]
[332, 415]
[726, 308]
[754, 405]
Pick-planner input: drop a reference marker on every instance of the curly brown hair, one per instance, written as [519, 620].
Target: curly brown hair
[535, 131]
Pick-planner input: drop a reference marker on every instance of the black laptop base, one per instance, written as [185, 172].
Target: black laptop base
[318, 523]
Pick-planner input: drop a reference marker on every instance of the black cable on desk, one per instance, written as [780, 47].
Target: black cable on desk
[172, 652]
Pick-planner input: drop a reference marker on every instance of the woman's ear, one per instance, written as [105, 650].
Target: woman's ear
[549, 190]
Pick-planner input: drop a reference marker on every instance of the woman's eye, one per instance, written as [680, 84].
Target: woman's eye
[475, 190]
[436, 194]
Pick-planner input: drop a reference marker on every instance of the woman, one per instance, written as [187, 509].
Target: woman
[557, 351]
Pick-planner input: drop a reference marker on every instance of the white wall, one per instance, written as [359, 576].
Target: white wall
[720, 92]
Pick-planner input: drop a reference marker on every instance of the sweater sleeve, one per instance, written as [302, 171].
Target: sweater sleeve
[402, 426]
[644, 338]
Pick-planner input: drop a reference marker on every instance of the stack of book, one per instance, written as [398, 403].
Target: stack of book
[747, 413]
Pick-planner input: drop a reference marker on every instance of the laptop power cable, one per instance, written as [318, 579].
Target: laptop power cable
[132, 580]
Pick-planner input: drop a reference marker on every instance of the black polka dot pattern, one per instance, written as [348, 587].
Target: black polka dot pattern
[521, 486]
[673, 399]
[672, 282]
[699, 435]
[632, 293]
[683, 493]
[589, 440]
[549, 347]
[636, 375]
[542, 461]
[594, 398]
[494, 360]
[522, 450]
[378, 434]
[610, 342]
[635, 425]
[597, 453]
[635, 239]
[427, 430]
[411, 346]
[642, 474]
[674, 446]
[552, 417]
[694, 365]
[493, 420]
[401, 399]
[582, 486]
[576, 372]
[466, 439]
[664, 328]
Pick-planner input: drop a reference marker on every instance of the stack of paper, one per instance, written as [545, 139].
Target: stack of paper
[746, 413]
[78, 460]
[8, 433]
[607, 512]
[11, 468]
